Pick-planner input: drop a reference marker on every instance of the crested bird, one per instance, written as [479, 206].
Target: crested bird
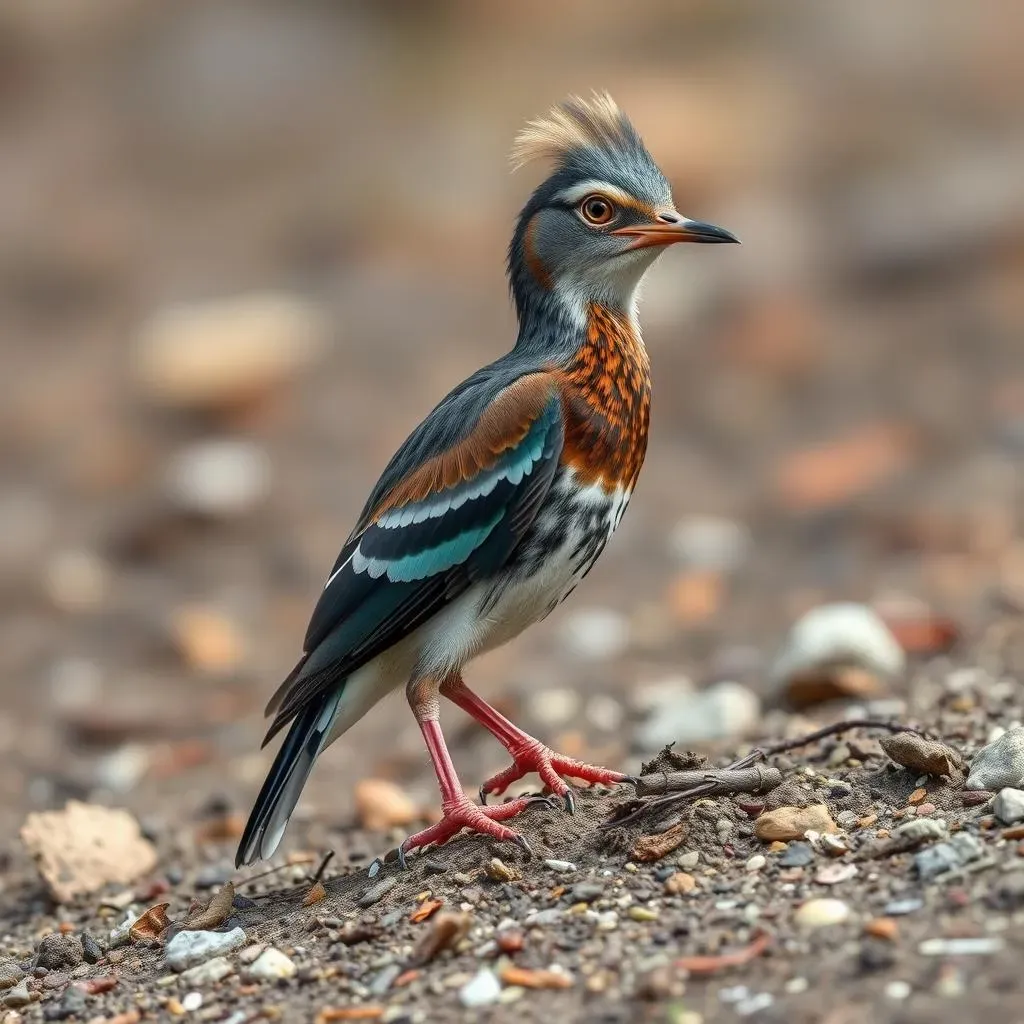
[502, 499]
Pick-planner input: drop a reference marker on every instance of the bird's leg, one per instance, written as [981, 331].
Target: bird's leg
[457, 812]
[528, 754]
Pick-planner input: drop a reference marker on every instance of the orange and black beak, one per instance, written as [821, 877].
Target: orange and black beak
[670, 228]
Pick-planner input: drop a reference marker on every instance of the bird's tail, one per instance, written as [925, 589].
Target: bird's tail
[284, 783]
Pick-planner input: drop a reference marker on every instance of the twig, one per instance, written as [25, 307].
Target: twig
[328, 857]
[715, 781]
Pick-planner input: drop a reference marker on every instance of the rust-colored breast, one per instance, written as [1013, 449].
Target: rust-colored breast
[606, 395]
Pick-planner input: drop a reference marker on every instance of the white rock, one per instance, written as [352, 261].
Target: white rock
[213, 354]
[839, 634]
[220, 479]
[757, 862]
[270, 965]
[897, 990]
[709, 542]
[920, 829]
[822, 912]
[208, 973]
[1000, 764]
[563, 866]
[596, 633]
[1008, 806]
[980, 945]
[187, 949]
[482, 989]
[191, 1001]
[722, 711]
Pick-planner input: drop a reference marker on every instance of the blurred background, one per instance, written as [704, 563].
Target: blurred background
[245, 246]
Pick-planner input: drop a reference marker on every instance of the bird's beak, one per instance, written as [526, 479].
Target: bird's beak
[665, 233]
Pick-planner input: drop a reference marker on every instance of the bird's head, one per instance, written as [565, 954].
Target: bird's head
[600, 219]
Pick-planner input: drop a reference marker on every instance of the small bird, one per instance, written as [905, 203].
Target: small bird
[501, 500]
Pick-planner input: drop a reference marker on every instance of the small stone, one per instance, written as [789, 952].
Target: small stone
[498, 871]
[680, 883]
[921, 829]
[57, 952]
[608, 921]
[191, 1001]
[833, 638]
[596, 634]
[637, 913]
[709, 543]
[72, 1004]
[547, 916]
[882, 928]
[999, 764]
[270, 965]
[18, 995]
[10, 973]
[689, 860]
[586, 892]
[381, 805]
[822, 912]
[786, 823]
[189, 948]
[833, 874]
[217, 354]
[91, 951]
[969, 946]
[951, 855]
[564, 867]
[797, 855]
[756, 862]
[219, 479]
[900, 908]
[917, 796]
[898, 990]
[1008, 806]
[482, 989]
[208, 973]
[377, 892]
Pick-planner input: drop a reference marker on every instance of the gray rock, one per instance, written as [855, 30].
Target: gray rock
[91, 951]
[10, 973]
[482, 989]
[900, 908]
[72, 1004]
[948, 856]
[187, 949]
[208, 973]
[586, 892]
[797, 855]
[271, 965]
[57, 952]
[1008, 806]
[722, 711]
[377, 892]
[921, 829]
[18, 996]
[839, 634]
[999, 764]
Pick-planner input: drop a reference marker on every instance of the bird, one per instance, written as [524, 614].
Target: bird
[501, 500]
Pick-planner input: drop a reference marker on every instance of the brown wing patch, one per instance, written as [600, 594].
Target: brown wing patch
[606, 396]
[503, 425]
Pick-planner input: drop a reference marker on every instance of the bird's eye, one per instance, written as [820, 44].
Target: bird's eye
[596, 210]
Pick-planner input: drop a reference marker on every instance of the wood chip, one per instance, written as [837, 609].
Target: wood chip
[214, 914]
[151, 924]
[445, 930]
[316, 893]
[425, 910]
[333, 1013]
[713, 964]
[526, 978]
[84, 847]
[648, 848]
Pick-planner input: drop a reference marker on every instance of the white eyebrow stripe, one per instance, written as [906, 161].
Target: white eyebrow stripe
[584, 188]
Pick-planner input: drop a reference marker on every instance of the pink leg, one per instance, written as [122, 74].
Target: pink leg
[528, 754]
[457, 812]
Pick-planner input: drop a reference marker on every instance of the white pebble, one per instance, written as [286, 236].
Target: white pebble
[221, 478]
[999, 764]
[208, 973]
[564, 867]
[189, 948]
[709, 542]
[1008, 806]
[481, 990]
[191, 1001]
[757, 862]
[270, 965]
[822, 912]
[897, 990]
[969, 946]
[596, 634]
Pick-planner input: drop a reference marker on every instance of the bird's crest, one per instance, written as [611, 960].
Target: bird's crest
[575, 124]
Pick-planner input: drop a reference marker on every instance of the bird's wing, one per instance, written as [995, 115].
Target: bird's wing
[452, 517]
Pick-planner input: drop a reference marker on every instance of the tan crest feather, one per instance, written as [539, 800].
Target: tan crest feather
[574, 124]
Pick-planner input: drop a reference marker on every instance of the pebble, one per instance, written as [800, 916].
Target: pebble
[270, 965]
[921, 829]
[586, 892]
[381, 805]
[595, 634]
[562, 866]
[57, 952]
[498, 871]
[636, 913]
[922, 755]
[843, 633]
[607, 921]
[756, 862]
[91, 951]
[897, 990]
[191, 1001]
[482, 989]
[722, 711]
[689, 860]
[215, 354]
[219, 479]
[10, 973]
[680, 883]
[900, 908]
[947, 856]
[549, 915]
[786, 823]
[969, 946]
[377, 892]
[18, 995]
[819, 913]
[555, 707]
[72, 1004]
[187, 949]
[833, 874]
[207, 973]
[709, 542]
[1008, 806]
[999, 764]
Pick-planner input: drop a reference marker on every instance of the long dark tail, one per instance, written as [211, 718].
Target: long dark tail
[283, 785]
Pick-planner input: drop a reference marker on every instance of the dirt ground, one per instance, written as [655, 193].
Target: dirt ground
[838, 416]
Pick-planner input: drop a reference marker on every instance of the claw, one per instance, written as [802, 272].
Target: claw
[630, 780]
[402, 862]
[482, 793]
[570, 802]
[521, 842]
[545, 800]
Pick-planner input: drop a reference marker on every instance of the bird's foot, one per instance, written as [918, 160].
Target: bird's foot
[486, 820]
[533, 756]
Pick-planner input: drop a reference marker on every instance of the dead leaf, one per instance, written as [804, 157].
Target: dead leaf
[316, 893]
[149, 926]
[445, 930]
[85, 847]
[526, 978]
[214, 914]
[426, 909]
[832, 682]
[712, 964]
[832, 474]
[921, 755]
[648, 848]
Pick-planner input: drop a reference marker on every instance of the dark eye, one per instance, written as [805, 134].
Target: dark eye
[596, 210]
